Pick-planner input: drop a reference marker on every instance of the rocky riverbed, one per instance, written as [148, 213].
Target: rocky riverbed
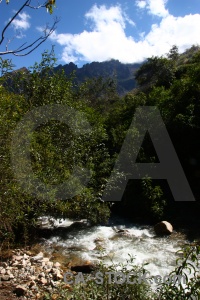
[28, 276]
[32, 273]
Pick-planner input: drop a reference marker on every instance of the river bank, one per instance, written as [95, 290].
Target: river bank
[30, 274]
[63, 243]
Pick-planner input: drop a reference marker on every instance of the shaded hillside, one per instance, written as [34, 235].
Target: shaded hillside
[122, 74]
[187, 56]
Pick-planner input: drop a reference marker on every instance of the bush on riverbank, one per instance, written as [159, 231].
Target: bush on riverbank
[187, 267]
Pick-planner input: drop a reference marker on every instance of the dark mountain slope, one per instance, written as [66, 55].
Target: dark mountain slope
[122, 74]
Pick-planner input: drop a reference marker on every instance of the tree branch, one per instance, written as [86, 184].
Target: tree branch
[11, 20]
[41, 5]
[37, 43]
[47, 32]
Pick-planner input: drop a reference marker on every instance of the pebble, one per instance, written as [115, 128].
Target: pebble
[32, 275]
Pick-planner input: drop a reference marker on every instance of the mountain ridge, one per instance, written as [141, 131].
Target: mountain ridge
[122, 74]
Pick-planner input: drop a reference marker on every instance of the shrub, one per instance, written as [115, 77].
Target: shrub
[187, 266]
[108, 288]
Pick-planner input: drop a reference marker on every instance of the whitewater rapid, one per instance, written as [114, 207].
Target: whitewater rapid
[105, 243]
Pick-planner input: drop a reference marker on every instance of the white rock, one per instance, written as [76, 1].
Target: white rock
[17, 257]
[57, 264]
[31, 278]
[43, 280]
[38, 257]
[42, 274]
[8, 272]
[49, 264]
[45, 259]
[26, 256]
[5, 277]
[3, 271]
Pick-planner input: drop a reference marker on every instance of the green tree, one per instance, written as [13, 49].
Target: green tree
[173, 53]
[54, 150]
[156, 71]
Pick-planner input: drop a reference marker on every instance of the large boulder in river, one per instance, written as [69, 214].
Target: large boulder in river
[163, 228]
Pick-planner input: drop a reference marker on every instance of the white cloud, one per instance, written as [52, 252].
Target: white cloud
[107, 38]
[21, 23]
[101, 16]
[154, 7]
[157, 7]
[141, 4]
[180, 31]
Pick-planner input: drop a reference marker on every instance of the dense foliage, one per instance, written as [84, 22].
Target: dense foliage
[173, 85]
[55, 150]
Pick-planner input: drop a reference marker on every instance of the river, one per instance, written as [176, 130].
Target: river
[80, 242]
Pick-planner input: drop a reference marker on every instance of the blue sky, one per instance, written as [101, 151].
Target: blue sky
[129, 31]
